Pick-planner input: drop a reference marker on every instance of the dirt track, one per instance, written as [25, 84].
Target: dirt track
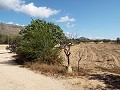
[12, 77]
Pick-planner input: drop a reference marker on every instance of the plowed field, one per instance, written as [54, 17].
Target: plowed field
[95, 55]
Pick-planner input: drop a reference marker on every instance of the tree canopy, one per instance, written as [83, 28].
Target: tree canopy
[39, 40]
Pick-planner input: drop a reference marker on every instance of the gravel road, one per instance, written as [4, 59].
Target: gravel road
[13, 77]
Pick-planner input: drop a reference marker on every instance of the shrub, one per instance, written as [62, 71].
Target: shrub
[14, 42]
[38, 43]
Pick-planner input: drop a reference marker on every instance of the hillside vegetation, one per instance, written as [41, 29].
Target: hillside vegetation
[10, 29]
[9, 32]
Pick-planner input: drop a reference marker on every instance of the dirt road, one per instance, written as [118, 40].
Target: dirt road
[12, 77]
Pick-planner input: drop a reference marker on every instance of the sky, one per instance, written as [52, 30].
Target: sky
[94, 19]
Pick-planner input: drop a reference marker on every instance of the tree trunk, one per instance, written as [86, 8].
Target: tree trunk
[69, 68]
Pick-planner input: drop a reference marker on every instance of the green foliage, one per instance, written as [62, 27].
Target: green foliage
[10, 29]
[39, 40]
[118, 40]
[14, 43]
[3, 39]
[8, 39]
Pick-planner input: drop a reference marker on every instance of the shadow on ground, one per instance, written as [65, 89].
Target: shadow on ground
[112, 81]
[2, 53]
[9, 62]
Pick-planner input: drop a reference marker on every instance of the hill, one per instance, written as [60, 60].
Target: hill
[10, 29]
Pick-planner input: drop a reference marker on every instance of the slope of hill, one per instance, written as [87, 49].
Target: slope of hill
[10, 29]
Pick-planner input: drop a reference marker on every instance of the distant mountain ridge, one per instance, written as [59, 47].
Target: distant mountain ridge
[10, 29]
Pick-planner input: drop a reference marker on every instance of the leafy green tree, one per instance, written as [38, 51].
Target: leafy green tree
[3, 39]
[39, 40]
[118, 40]
[14, 43]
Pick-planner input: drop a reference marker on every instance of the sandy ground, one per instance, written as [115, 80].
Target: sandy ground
[12, 77]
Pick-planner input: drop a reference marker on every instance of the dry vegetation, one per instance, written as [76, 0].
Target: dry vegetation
[10, 29]
[96, 58]
[49, 70]
[99, 67]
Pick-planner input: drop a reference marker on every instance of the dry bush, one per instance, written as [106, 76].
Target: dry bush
[55, 70]
[50, 70]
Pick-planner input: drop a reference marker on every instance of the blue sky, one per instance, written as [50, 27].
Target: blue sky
[89, 18]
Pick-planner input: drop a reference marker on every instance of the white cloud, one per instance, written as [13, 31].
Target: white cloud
[34, 11]
[71, 35]
[18, 24]
[14, 23]
[69, 25]
[100, 37]
[66, 19]
[9, 23]
[10, 4]
[29, 9]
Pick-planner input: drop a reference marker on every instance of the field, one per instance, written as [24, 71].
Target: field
[95, 56]
[101, 62]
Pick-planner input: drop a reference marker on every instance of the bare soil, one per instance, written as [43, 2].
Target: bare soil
[102, 63]
[95, 55]
[13, 77]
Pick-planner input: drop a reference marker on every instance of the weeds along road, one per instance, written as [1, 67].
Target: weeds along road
[12, 77]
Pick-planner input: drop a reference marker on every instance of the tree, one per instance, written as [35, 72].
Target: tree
[68, 53]
[80, 55]
[14, 43]
[118, 40]
[39, 40]
[54, 30]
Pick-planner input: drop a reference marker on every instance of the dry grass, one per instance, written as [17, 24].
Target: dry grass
[92, 52]
[55, 70]
[49, 70]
